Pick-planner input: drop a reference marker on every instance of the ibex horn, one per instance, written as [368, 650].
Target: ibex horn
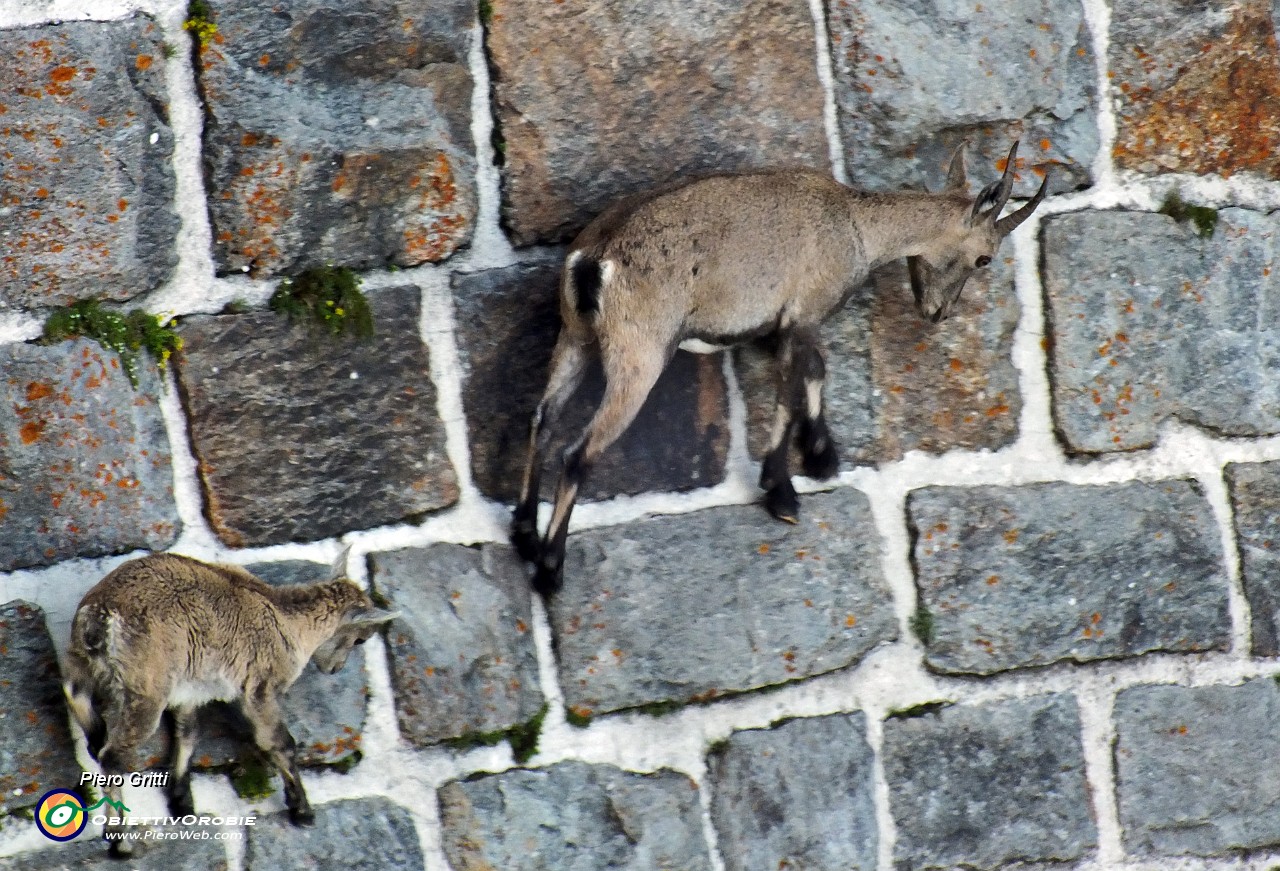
[1010, 222]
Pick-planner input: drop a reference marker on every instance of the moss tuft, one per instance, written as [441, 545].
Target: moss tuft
[522, 737]
[577, 717]
[485, 10]
[251, 778]
[1204, 218]
[348, 762]
[326, 295]
[922, 625]
[124, 334]
[200, 22]
[918, 710]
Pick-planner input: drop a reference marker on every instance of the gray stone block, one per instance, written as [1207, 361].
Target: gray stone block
[301, 435]
[338, 133]
[1152, 322]
[90, 854]
[1024, 576]
[690, 607]
[367, 834]
[1168, 61]
[507, 323]
[1033, 80]
[620, 97]
[573, 817]
[1255, 500]
[896, 383]
[989, 786]
[796, 795]
[1198, 768]
[462, 655]
[324, 712]
[86, 201]
[36, 753]
[84, 458]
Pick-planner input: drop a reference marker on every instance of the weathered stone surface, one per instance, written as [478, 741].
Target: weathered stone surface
[301, 435]
[338, 133]
[697, 605]
[1198, 768]
[1024, 576]
[1152, 322]
[798, 795]
[1255, 499]
[508, 320]
[1032, 79]
[36, 754]
[84, 458]
[368, 834]
[619, 97]
[897, 383]
[86, 185]
[985, 785]
[324, 712]
[462, 654]
[574, 817]
[87, 853]
[1172, 61]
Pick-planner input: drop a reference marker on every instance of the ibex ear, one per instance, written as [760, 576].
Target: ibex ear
[338, 568]
[371, 618]
[957, 180]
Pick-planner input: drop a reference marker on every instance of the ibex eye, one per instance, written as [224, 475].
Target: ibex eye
[982, 261]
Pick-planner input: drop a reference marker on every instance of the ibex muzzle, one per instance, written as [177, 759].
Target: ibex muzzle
[714, 261]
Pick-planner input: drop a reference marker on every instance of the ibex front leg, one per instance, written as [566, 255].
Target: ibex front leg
[800, 376]
[629, 375]
[568, 362]
[262, 710]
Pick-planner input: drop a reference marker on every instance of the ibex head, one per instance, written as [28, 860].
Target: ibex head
[938, 277]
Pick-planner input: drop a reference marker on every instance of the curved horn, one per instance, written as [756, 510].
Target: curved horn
[1010, 222]
[957, 181]
[1006, 181]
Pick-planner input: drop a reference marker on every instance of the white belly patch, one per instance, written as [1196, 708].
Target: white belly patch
[697, 346]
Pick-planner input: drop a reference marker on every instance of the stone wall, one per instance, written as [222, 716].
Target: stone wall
[1033, 624]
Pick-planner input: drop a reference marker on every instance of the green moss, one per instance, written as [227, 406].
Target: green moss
[522, 737]
[123, 334]
[922, 625]
[237, 306]
[499, 146]
[348, 762]
[251, 779]
[200, 22]
[577, 719]
[918, 710]
[659, 709]
[485, 10]
[168, 50]
[326, 295]
[1204, 218]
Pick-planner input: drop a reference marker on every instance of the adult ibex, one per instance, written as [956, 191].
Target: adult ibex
[727, 258]
[170, 632]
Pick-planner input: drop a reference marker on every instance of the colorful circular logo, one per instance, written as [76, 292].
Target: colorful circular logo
[60, 815]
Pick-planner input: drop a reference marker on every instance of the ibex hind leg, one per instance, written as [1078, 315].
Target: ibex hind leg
[626, 389]
[568, 363]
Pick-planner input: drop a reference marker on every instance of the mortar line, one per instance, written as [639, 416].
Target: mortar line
[826, 78]
[1214, 482]
[1097, 16]
[489, 244]
[1096, 706]
[886, 827]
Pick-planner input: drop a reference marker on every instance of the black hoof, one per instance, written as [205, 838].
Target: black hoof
[119, 849]
[547, 580]
[524, 535]
[302, 816]
[783, 503]
[821, 459]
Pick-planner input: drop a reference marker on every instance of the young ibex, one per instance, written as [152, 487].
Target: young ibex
[727, 258]
[170, 632]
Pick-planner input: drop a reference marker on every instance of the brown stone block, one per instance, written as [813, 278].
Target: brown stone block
[1197, 87]
[602, 98]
